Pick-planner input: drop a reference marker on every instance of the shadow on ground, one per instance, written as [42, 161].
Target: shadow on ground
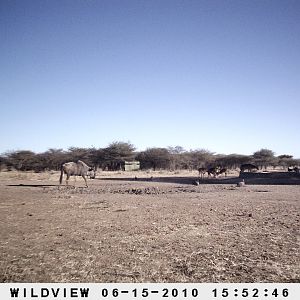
[253, 179]
[33, 185]
[270, 178]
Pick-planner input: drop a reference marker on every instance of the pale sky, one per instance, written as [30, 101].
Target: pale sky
[219, 75]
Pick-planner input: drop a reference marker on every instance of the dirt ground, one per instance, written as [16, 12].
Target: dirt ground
[158, 227]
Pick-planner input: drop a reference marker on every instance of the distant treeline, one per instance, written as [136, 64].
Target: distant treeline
[113, 157]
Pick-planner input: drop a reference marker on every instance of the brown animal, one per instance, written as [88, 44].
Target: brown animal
[202, 172]
[75, 169]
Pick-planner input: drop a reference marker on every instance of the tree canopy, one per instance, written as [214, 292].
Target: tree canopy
[115, 154]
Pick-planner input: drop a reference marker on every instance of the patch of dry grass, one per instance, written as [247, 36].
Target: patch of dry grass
[120, 230]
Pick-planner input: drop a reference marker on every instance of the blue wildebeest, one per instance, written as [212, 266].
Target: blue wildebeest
[248, 167]
[75, 169]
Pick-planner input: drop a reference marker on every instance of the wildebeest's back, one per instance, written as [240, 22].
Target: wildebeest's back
[79, 168]
[71, 168]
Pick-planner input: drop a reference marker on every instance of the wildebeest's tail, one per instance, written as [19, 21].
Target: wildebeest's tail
[61, 174]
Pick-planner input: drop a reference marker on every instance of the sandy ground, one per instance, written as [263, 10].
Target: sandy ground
[160, 229]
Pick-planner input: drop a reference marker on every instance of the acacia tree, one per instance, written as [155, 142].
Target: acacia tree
[286, 160]
[2, 162]
[21, 160]
[232, 161]
[177, 157]
[265, 158]
[77, 153]
[55, 158]
[116, 153]
[201, 158]
[154, 158]
[96, 157]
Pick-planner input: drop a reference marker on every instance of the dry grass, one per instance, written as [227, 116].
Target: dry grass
[156, 229]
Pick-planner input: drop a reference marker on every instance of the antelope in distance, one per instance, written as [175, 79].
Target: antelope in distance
[75, 169]
[202, 172]
[214, 171]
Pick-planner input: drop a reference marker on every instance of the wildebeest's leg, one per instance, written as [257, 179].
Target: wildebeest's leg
[61, 175]
[67, 180]
[85, 180]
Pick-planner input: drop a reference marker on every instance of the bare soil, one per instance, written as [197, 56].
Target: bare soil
[158, 227]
